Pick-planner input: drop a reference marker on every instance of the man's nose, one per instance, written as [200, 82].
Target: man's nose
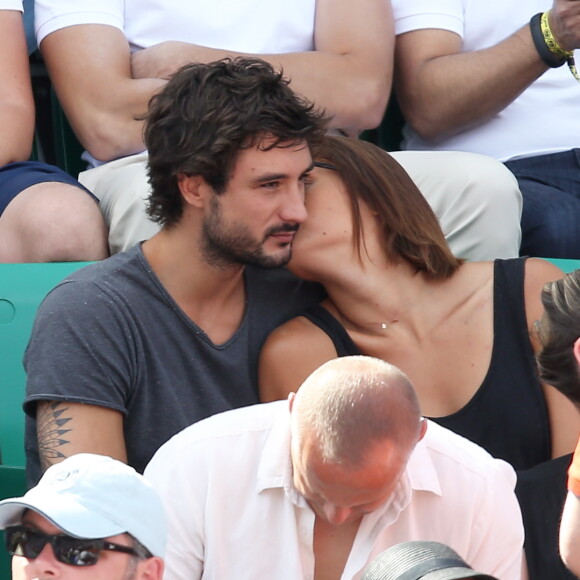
[294, 210]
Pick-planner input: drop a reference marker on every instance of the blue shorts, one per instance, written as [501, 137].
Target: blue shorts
[16, 177]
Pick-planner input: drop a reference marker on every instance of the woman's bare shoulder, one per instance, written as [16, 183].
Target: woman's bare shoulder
[289, 355]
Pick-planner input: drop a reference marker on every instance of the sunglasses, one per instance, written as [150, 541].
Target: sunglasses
[23, 541]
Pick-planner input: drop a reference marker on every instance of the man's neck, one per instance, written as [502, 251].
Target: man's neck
[213, 297]
[332, 547]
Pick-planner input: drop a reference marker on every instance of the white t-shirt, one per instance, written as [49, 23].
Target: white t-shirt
[247, 26]
[252, 26]
[233, 511]
[545, 118]
[11, 5]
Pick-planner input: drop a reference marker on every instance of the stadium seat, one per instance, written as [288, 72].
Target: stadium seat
[22, 288]
[566, 265]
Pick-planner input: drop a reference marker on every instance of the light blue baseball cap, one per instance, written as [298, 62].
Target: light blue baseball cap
[93, 496]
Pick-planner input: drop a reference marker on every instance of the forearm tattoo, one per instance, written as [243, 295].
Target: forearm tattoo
[50, 425]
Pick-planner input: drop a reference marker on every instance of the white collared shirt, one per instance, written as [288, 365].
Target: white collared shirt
[233, 511]
[543, 119]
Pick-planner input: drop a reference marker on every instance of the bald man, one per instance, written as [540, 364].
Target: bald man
[317, 486]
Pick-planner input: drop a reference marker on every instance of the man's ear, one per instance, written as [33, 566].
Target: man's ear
[150, 569]
[423, 428]
[194, 189]
[577, 350]
[291, 397]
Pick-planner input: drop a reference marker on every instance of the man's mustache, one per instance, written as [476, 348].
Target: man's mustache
[284, 228]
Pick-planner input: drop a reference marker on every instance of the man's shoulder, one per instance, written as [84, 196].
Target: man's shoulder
[230, 427]
[117, 288]
[55, 15]
[117, 272]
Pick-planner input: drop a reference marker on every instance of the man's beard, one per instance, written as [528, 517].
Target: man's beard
[233, 245]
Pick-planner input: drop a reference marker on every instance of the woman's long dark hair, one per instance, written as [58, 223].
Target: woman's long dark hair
[409, 229]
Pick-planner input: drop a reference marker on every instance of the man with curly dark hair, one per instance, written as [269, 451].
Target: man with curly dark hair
[129, 351]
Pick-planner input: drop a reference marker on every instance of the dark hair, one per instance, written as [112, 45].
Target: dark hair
[559, 331]
[141, 553]
[208, 112]
[410, 230]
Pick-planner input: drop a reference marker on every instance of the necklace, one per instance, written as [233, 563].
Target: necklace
[382, 325]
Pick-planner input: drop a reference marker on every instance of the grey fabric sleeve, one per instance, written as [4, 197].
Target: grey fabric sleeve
[82, 349]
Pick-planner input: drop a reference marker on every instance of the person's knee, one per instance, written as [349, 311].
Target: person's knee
[130, 224]
[85, 232]
[488, 215]
[495, 187]
[123, 189]
[53, 222]
[475, 197]
[550, 226]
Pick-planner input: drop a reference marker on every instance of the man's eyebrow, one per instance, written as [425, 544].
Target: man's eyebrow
[270, 177]
[277, 176]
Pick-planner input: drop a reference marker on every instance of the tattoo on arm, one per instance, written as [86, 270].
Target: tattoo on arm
[50, 426]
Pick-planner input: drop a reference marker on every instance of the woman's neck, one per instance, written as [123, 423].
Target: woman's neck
[371, 298]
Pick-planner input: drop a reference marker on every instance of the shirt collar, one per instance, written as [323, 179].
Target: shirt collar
[421, 470]
[275, 468]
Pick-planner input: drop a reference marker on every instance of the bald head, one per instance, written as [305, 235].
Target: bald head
[351, 404]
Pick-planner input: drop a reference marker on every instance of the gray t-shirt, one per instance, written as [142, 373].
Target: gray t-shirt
[110, 335]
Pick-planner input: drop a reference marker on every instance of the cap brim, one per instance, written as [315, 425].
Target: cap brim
[65, 513]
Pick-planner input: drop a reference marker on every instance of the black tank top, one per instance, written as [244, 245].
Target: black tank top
[507, 416]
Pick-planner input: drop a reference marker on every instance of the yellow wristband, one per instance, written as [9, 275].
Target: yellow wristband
[547, 46]
[549, 39]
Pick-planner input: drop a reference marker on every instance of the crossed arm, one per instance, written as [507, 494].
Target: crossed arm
[103, 88]
[443, 91]
[16, 103]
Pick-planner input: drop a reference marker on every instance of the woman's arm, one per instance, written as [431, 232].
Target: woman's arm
[289, 355]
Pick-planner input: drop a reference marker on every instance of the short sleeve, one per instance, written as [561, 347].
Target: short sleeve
[81, 349]
[413, 15]
[52, 15]
[11, 5]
